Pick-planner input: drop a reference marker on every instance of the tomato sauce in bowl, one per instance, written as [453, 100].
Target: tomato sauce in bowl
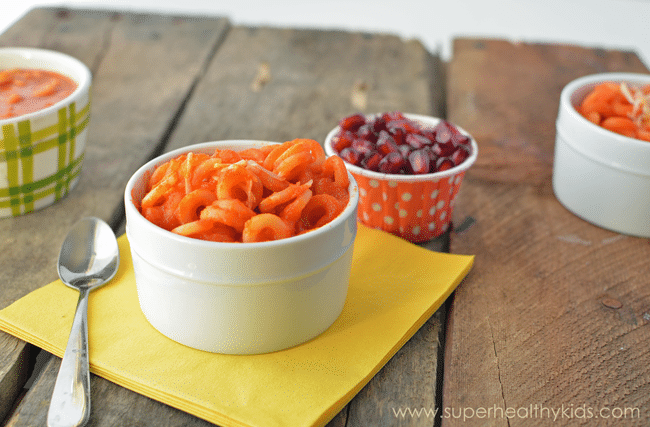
[24, 91]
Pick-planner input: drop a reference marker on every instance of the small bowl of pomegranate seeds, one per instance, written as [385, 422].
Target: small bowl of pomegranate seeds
[408, 168]
[601, 168]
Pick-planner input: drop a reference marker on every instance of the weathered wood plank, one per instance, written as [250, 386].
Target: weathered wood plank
[407, 385]
[16, 363]
[528, 329]
[144, 67]
[34, 257]
[133, 108]
[111, 405]
[313, 75]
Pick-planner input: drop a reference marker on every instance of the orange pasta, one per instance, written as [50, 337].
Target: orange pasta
[254, 195]
[321, 209]
[620, 108]
[265, 227]
[193, 202]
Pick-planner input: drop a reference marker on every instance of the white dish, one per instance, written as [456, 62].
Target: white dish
[239, 298]
[599, 175]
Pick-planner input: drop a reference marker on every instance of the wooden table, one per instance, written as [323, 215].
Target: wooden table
[555, 314]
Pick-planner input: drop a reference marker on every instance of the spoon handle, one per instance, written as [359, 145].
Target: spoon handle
[70, 404]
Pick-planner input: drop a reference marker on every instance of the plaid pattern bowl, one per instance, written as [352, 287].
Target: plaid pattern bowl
[41, 153]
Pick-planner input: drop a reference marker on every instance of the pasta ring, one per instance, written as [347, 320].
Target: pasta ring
[190, 206]
[282, 197]
[291, 213]
[237, 182]
[231, 212]
[328, 186]
[265, 227]
[270, 180]
[321, 209]
[291, 166]
[157, 194]
[277, 151]
[305, 145]
[227, 156]
[335, 167]
[220, 233]
[253, 154]
[205, 171]
[193, 228]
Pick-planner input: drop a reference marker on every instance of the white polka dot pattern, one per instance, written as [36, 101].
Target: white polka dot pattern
[416, 211]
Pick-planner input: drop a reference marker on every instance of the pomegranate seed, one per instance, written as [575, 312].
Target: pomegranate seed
[406, 125]
[344, 140]
[392, 143]
[392, 163]
[363, 146]
[459, 155]
[416, 141]
[454, 130]
[460, 139]
[386, 143]
[419, 161]
[351, 156]
[443, 164]
[433, 158]
[444, 150]
[443, 132]
[379, 124]
[372, 162]
[405, 150]
[366, 132]
[353, 122]
[393, 115]
[397, 134]
[430, 135]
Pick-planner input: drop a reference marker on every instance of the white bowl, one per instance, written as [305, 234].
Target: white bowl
[414, 207]
[41, 160]
[239, 298]
[599, 175]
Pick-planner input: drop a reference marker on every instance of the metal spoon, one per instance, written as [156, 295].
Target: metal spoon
[89, 258]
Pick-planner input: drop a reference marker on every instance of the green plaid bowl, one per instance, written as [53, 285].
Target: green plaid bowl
[41, 153]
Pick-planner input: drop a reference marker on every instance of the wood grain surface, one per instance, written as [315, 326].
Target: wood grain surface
[144, 67]
[166, 82]
[555, 312]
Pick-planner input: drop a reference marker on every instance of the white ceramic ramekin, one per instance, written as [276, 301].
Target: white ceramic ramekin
[414, 207]
[239, 298]
[599, 175]
[41, 153]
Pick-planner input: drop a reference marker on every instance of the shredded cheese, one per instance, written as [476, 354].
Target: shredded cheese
[640, 104]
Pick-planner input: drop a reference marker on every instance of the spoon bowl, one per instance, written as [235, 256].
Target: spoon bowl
[89, 258]
[89, 255]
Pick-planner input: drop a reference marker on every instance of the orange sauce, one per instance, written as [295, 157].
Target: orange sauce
[24, 91]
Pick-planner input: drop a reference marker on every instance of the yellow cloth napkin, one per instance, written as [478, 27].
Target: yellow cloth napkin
[395, 287]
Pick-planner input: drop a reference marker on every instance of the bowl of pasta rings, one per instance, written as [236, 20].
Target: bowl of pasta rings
[409, 169]
[242, 247]
[601, 169]
[44, 116]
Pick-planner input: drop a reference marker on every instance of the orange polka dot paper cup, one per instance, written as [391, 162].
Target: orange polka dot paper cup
[417, 208]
